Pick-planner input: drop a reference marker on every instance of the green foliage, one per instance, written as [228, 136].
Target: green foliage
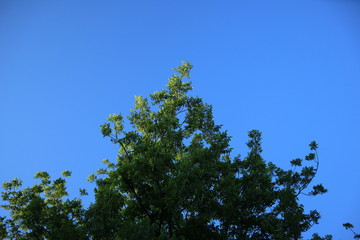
[317, 237]
[174, 178]
[350, 227]
[40, 211]
[66, 173]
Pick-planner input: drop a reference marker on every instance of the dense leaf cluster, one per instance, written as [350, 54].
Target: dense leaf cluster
[174, 178]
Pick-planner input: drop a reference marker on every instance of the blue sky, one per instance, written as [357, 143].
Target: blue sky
[288, 68]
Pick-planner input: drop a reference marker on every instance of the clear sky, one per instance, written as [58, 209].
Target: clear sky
[288, 68]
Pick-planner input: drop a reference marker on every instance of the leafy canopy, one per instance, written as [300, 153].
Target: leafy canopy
[174, 178]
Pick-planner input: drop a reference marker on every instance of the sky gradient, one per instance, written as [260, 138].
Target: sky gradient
[290, 69]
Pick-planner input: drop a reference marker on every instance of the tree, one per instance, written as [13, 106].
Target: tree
[40, 211]
[174, 178]
[350, 227]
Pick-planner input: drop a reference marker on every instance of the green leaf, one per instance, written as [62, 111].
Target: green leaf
[313, 145]
[106, 129]
[296, 162]
[348, 225]
[66, 173]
